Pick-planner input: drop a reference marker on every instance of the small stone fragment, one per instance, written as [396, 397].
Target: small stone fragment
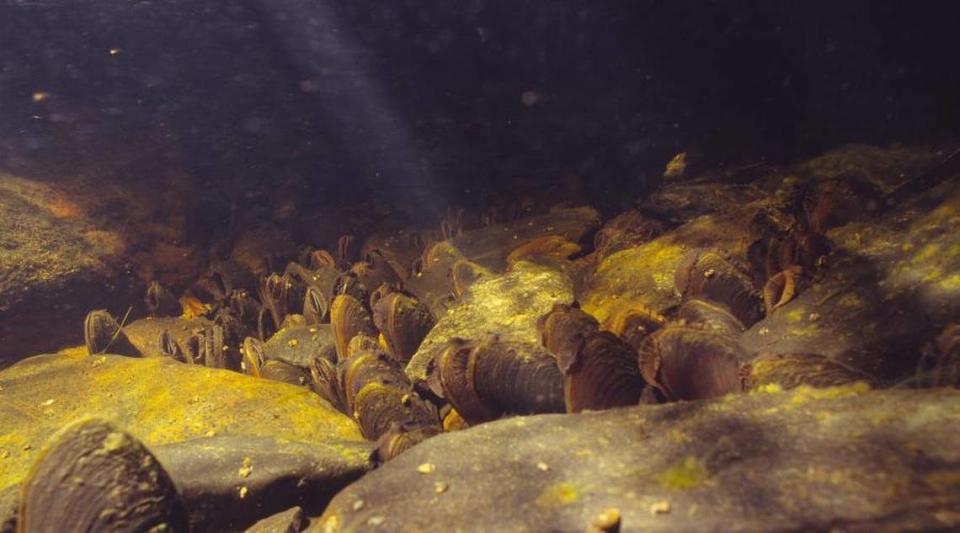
[607, 521]
[440, 487]
[543, 466]
[661, 507]
[243, 492]
[247, 467]
[357, 505]
[426, 468]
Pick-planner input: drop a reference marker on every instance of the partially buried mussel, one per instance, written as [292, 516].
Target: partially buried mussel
[93, 476]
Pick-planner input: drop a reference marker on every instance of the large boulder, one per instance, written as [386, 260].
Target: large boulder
[809, 459]
[231, 442]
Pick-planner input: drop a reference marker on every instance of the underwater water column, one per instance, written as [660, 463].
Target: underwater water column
[339, 72]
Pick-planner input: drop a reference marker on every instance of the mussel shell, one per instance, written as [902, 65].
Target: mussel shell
[377, 406]
[368, 367]
[349, 318]
[692, 363]
[704, 274]
[319, 259]
[375, 271]
[102, 333]
[161, 302]
[404, 321]
[274, 293]
[400, 438]
[633, 324]
[463, 274]
[253, 356]
[511, 383]
[349, 283]
[455, 368]
[169, 347]
[94, 477]
[564, 330]
[711, 315]
[604, 374]
[316, 306]
[326, 383]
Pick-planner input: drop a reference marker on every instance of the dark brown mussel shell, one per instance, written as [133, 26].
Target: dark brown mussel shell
[375, 270]
[781, 288]
[316, 306]
[514, 383]
[161, 302]
[711, 315]
[95, 477]
[349, 318]
[102, 334]
[692, 363]
[404, 321]
[212, 349]
[244, 307]
[169, 347]
[705, 274]
[326, 383]
[320, 259]
[363, 343]
[604, 374]
[379, 405]
[455, 368]
[400, 438]
[564, 330]
[349, 283]
[369, 367]
[633, 324]
[274, 294]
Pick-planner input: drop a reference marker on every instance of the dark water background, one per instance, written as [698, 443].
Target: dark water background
[421, 102]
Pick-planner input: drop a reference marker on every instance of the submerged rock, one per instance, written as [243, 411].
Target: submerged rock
[811, 459]
[507, 305]
[162, 402]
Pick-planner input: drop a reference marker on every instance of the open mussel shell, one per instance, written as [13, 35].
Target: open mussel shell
[564, 330]
[95, 477]
[377, 406]
[253, 356]
[349, 283]
[404, 321]
[102, 334]
[161, 302]
[635, 323]
[326, 383]
[274, 294]
[169, 347]
[706, 275]
[711, 315]
[455, 369]
[369, 367]
[349, 318]
[320, 259]
[400, 438]
[781, 288]
[316, 306]
[604, 374]
[692, 363]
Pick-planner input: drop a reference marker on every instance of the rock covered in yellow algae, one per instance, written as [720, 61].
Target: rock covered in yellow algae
[807, 459]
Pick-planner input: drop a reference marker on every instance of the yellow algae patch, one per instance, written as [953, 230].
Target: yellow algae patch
[557, 494]
[158, 400]
[640, 276]
[926, 253]
[950, 283]
[687, 474]
[770, 388]
[806, 393]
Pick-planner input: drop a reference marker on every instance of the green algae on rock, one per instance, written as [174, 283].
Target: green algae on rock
[807, 459]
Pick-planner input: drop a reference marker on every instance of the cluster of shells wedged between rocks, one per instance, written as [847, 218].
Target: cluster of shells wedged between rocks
[346, 323]
[345, 326]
